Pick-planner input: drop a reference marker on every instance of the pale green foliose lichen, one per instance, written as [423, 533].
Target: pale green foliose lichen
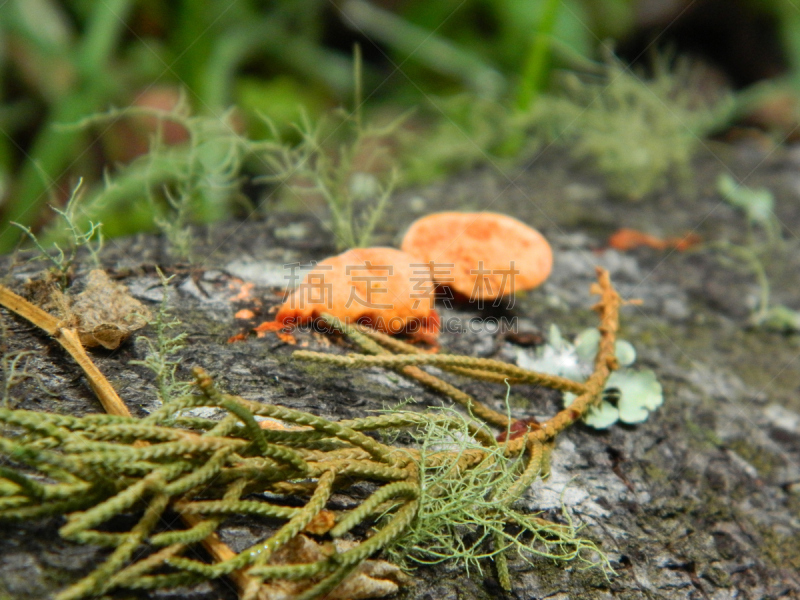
[629, 396]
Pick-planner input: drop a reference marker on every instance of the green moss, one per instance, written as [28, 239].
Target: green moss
[718, 576]
[161, 356]
[755, 357]
[655, 474]
[700, 438]
[479, 504]
[640, 134]
[518, 401]
[713, 508]
[763, 461]
[783, 551]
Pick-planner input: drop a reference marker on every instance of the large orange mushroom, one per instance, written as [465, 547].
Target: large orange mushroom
[381, 287]
[482, 255]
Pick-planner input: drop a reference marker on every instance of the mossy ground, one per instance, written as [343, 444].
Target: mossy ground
[696, 502]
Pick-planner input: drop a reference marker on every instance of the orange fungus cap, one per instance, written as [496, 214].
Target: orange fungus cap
[381, 287]
[480, 255]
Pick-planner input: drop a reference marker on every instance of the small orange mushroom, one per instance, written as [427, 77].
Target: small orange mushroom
[482, 256]
[381, 287]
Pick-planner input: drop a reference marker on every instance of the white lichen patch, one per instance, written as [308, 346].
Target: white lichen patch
[267, 273]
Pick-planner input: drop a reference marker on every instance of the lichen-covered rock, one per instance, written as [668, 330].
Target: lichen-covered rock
[700, 501]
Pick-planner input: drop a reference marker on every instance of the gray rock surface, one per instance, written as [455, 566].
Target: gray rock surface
[701, 501]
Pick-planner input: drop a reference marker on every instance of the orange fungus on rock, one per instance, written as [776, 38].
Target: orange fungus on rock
[480, 255]
[628, 239]
[381, 287]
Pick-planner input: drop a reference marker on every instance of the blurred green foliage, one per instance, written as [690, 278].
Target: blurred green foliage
[65, 61]
[475, 69]
[641, 135]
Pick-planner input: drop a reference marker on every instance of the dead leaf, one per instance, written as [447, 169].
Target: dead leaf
[373, 578]
[45, 293]
[106, 313]
[103, 314]
[627, 239]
